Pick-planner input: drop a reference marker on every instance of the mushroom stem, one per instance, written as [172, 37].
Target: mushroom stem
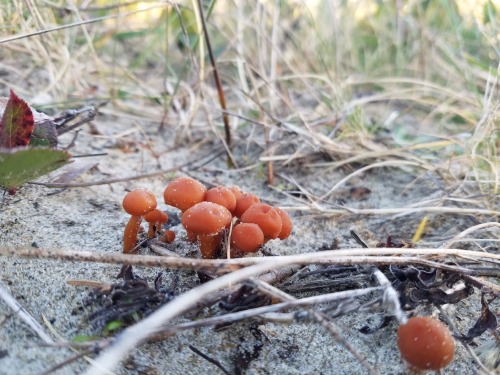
[209, 245]
[192, 237]
[130, 234]
[152, 229]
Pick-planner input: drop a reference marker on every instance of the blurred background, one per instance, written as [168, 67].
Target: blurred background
[359, 72]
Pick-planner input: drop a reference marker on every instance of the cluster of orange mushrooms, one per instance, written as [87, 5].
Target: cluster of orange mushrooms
[424, 343]
[206, 215]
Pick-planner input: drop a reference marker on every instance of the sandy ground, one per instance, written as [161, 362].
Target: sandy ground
[91, 218]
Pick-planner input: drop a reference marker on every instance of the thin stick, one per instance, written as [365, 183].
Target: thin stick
[389, 163]
[391, 297]
[108, 181]
[321, 318]
[79, 23]
[218, 82]
[138, 333]
[115, 180]
[67, 361]
[218, 266]
[258, 311]
[24, 315]
[461, 235]
[394, 211]
[209, 359]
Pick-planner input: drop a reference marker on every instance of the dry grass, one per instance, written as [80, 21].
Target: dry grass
[333, 88]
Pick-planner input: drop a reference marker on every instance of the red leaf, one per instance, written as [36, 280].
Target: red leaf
[17, 123]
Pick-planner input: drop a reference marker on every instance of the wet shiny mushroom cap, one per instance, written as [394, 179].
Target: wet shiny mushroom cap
[286, 224]
[156, 216]
[426, 343]
[206, 218]
[247, 237]
[266, 217]
[221, 195]
[184, 192]
[139, 202]
[244, 202]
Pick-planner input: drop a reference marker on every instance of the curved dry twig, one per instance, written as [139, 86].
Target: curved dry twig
[461, 235]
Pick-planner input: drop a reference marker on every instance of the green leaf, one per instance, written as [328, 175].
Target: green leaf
[112, 326]
[84, 338]
[19, 165]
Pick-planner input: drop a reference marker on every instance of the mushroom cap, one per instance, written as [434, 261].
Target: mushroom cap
[184, 192]
[139, 202]
[426, 343]
[221, 195]
[245, 201]
[169, 236]
[286, 224]
[206, 218]
[247, 237]
[156, 216]
[236, 191]
[266, 217]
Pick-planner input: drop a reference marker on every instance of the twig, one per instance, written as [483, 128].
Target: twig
[461, 235]
[68, 361]
[457, 333]
[25, 316]
[134, 335]
[108, 181]
[340, 257]
[259, 311]
[391, 298]
[115, 180]
[218, 83]
[209, 359]
[394, 211]
[321, 318]
[79, 23]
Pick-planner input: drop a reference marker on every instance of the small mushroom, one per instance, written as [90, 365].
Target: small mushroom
[169, 236]
[184, 192]
[247, 237]
[266, 217]
[426, 343]
[242, 204]
[207, 220]
[136, 203]
[155, 219]
[236, 192]
[286, 224]
[221, 195]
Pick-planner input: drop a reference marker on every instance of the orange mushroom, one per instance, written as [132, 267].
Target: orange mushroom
[242, 204]
[286, 224]
[207, 220]
[169, 236]
[221, 195]
[184, 192]
[136, 203]
[247, 237]
[236, 192]
[266, 217]
[426, 343]
[155, 219]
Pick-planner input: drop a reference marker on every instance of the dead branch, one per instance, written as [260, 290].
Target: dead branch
[24, 315]
[402, 256]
